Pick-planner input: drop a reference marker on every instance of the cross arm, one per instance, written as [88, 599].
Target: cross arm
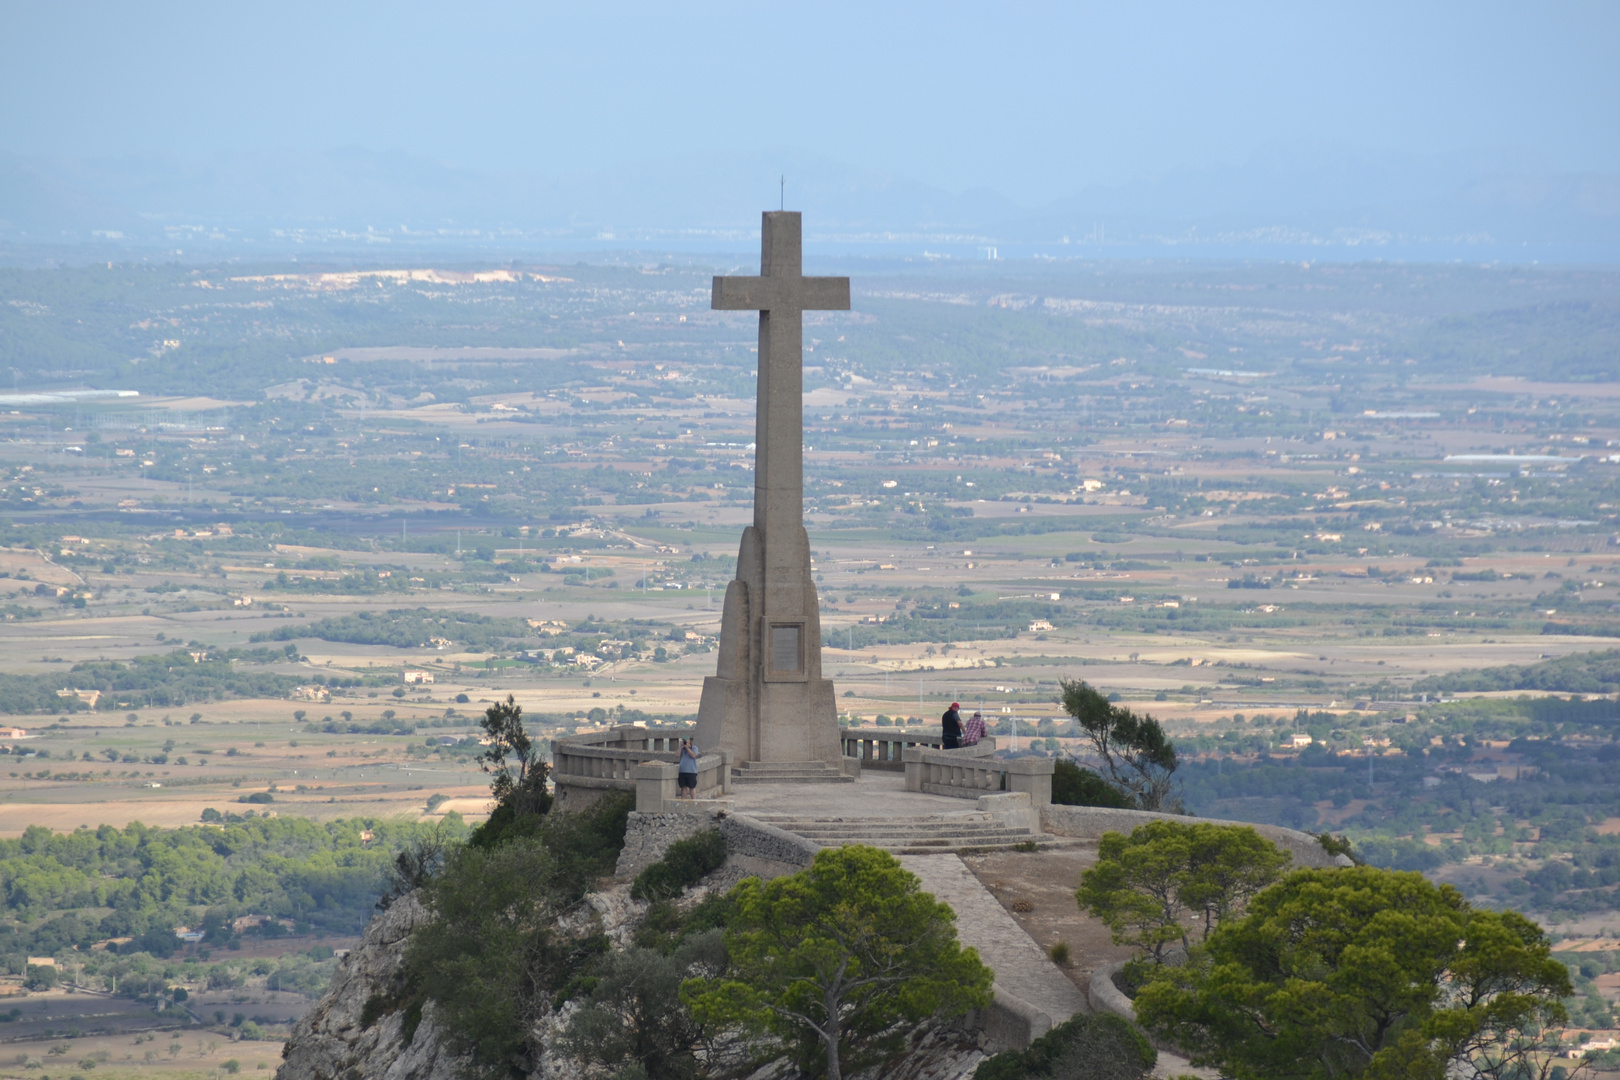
[768, 293]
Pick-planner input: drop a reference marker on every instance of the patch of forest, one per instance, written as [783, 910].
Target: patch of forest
[164, 680]
[409, 628]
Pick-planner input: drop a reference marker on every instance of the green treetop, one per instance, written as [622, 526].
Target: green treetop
[1359, 972]
[1148, 887]
[835, 957]
[1135, 751]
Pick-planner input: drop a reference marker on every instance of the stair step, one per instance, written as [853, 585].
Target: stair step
[789, 772]
[903, 825]
[920, 835]
[812, 778]
[945, 844]
[964, 817]
[878, 830]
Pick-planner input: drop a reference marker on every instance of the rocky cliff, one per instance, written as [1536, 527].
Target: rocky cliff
[358, 1031]
[364, 1029]
[340, 1039]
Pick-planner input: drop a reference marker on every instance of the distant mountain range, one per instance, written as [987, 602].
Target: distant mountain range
[1287, 201]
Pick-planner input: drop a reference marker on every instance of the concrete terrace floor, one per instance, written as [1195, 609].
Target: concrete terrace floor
[878, 793]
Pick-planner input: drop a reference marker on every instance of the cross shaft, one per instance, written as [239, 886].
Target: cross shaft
[781, 294]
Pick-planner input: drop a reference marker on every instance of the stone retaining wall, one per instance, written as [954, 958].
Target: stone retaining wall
[759, 840]
[1009, 1022]
[753, 847]
[648, 836]
[1105, 996]
[1090, 822]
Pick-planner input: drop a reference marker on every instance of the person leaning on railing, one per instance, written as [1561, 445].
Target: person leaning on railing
[973, 730]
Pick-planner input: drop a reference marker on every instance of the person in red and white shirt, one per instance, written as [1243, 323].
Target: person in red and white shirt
[973, 730]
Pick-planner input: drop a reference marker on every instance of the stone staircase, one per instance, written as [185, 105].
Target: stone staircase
[788, 772]
[928, 834]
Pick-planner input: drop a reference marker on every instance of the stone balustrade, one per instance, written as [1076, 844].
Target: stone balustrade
[657, 782]
[631, 737]
[883, 748]
[583, 767]
[970, 772]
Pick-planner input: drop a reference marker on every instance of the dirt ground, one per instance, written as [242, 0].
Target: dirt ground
[185, 807]
[1046, 881]
[170, 1055]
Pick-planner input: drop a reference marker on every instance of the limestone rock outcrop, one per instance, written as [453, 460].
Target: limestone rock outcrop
[335, 1041]
[341, 1038]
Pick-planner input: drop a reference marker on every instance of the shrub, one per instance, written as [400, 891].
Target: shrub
[684, 864]
[1073, 785]
[414, 866]
[491, 938]
[1097, 1046]
[518, 784]
[633, 1012]
[491, 958]
[1338, 845]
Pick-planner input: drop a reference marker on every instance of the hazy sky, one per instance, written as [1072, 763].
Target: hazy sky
[1035, 100]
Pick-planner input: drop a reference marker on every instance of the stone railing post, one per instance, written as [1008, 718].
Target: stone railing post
[655, 784]
[1033, 776]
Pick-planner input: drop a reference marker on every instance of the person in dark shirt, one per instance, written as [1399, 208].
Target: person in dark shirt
[951, 723]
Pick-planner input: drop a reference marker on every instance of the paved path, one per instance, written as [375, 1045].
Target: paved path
[1021, 966]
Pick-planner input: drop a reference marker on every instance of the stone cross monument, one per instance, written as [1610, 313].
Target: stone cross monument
[767, 702]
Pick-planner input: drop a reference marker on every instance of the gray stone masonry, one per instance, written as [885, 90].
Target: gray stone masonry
[756, 846]
[648, 836]
[767, 701]
[760, 840]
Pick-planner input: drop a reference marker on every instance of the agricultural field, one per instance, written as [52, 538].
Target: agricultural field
[1352, 532]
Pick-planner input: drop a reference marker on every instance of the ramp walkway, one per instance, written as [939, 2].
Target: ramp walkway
[1022, 967]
